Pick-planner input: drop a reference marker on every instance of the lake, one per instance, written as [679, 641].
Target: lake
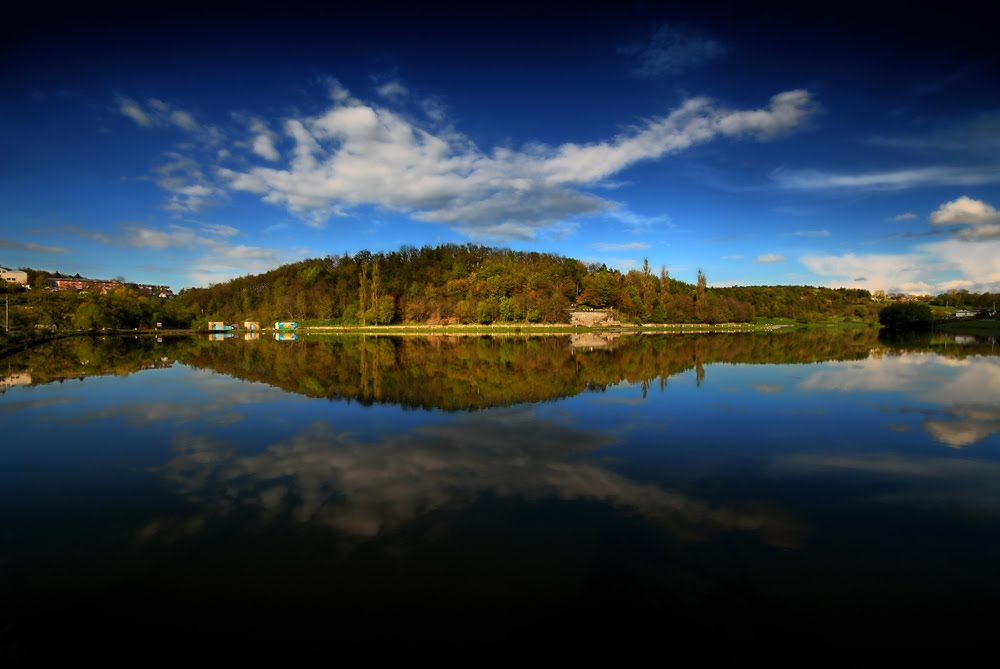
[830, 486]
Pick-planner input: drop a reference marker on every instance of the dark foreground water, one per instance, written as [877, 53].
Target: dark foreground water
[763, 488]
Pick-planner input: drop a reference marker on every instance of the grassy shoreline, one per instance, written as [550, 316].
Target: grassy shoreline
[10, 345]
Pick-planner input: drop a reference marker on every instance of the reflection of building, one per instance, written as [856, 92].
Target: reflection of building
[16, 379]
[14, 276]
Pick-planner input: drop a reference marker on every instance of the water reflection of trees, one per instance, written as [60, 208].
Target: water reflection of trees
[943, 343]
[471, 372]
[80, 357]
[463, 373]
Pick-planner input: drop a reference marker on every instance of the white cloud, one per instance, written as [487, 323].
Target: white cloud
[890, 272]
[887, 180]
[134, 111]
[157, 114]
[673, 51]
[931, 269]
[787, 111]
[183, 120]
[979, 262]
[983, 220]
[392, 90]
[771, 258]
[356, 153]
[264, 141]
[190, 190]
[908, 216]
[217, 261]
[811, 233]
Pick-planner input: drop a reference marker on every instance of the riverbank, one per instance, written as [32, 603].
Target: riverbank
[13, 343]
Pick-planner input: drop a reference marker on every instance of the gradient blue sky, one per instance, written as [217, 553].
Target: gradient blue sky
[763, 144]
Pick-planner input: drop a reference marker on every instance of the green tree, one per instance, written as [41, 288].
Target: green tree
[906, 316]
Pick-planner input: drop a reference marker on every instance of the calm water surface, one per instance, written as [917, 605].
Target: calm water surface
[724, 486]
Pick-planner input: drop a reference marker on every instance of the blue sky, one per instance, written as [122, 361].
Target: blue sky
[762, 145]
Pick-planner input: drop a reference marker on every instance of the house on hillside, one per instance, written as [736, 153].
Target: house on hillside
[80, 283]
[14, 276]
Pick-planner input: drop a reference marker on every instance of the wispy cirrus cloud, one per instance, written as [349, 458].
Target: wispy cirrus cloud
[358, 153]
[906, 216]
[770, 258]
[889, 180]
[30, 246]
[978, 135]
[811, 234]
[157, 114]
[672, 50]
[627, 246]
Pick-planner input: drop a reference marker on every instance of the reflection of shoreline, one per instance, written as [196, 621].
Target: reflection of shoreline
[469, 373]
[363, 489]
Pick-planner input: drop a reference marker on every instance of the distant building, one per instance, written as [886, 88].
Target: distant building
[153, 289]
[80, 283]
[965, 313]
[15, 276]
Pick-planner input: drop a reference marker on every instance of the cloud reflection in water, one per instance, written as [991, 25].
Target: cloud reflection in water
[966, 390]
[362, 489]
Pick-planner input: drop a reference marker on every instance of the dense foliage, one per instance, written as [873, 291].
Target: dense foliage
[481, 285]
[128, 309]
[447, 284]
[906, 316]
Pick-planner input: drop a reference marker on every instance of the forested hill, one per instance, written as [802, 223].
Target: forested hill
[481, 285]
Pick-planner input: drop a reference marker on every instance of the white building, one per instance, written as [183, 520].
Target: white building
[14, 276]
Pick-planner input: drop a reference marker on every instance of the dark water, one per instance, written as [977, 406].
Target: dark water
[191, 492]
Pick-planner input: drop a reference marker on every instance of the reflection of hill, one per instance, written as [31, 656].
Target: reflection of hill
[79, 357]
[461, 373]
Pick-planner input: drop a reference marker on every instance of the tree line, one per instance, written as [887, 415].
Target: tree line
[445, 284]
[470, 284]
